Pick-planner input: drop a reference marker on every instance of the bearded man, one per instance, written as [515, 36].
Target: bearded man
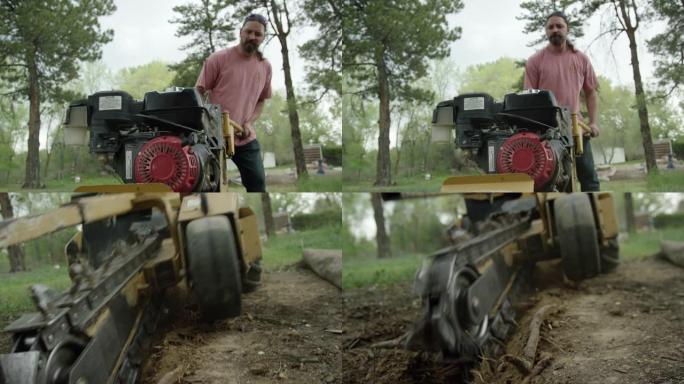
[565, 71]
[239, 80]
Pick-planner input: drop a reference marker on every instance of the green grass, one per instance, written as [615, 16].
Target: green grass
[315, 183]
[416, 183]
[633, 185]
[361, 272]
[64, 185]
[285, 249]
[318, 183]
[644, 244]
[664, 181]
[15, 297]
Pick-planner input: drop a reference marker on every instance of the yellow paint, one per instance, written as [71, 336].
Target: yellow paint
[501, 182]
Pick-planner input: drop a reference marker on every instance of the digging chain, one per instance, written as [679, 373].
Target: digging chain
[454, 321]
[50, 344]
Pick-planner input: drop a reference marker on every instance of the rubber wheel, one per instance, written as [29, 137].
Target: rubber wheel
[610, 256]
[577, 237]
[213, 267]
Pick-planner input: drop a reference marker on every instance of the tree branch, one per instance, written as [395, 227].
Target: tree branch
[13, 92]
[600, 35]
[617, 15]
[287, 18]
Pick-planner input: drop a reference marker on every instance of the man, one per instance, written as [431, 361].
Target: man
[239, 79]
[565, 71]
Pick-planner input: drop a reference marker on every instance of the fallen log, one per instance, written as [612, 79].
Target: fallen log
[672, 251]
[326, 263]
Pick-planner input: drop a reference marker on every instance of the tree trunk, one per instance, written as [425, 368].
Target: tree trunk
[426, 158]
[7, 174]
[383, 175]
[396, 162]
[629, 212]
[15, 253]
[268, 214]
[293, 115]
[32, 174]
[381, 237]
[47, 148]
[646, 138]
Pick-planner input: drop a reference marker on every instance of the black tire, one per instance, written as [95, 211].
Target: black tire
[214, 267]
[610, 256]
[577, 237]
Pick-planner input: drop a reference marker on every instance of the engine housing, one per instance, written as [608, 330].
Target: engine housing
[526, 133]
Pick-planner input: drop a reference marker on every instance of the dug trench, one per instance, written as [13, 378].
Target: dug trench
[623, 327]
[289, 332]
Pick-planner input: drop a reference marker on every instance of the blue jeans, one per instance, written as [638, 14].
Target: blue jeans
[586, 172]
[248, 160]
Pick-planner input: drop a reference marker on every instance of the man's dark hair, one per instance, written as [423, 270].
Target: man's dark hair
[562, 15]
[256, 17]
[558, 14]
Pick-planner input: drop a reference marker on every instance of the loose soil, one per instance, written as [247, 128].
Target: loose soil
[289, 332]
[624, 327]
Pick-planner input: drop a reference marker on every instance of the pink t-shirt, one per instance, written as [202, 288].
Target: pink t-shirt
[237, 83]
[564, 74]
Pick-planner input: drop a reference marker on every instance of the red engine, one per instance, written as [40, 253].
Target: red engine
[164, 159]
[526, 153]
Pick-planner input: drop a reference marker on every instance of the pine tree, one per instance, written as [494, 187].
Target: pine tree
[668, 46]
[387, 47]
[210, 26]
[41, 46]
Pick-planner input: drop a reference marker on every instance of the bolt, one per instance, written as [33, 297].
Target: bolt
[475, 306]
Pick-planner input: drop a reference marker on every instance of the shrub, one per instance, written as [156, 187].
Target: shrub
[316, 220]
[333, 155]
[672, 220]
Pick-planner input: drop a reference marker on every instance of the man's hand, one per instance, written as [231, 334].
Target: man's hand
[246, 130]
[594, 130]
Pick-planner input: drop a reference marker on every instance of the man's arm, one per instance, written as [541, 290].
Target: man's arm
[207, 77]
[247, 126]
[531, 80]
[592, 107]
[590, 88]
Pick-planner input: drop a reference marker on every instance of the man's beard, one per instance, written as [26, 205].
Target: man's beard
[250, 46]
[556, 39]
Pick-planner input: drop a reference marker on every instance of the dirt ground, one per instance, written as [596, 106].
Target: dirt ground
[289, 332]
[624, 327]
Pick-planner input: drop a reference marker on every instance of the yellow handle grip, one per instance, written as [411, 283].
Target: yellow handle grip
[577, 136]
